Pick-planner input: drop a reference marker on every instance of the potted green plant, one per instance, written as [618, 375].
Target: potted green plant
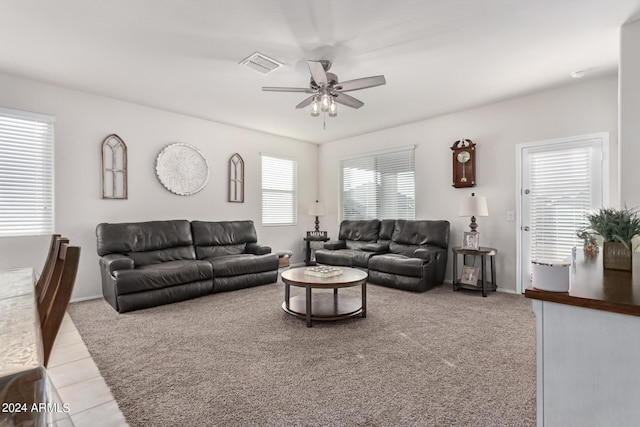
[617, 227]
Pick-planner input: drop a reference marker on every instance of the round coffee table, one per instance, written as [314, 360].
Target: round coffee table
[324, 306]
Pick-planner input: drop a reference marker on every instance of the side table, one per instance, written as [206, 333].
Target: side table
[483, 284]
[309, 239]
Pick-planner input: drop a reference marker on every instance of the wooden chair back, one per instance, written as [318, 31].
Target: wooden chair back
[47, 269]
[70, 256]
[47, 293]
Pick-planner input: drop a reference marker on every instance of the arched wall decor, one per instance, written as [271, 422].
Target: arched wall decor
[182, 169]
[236, 179]
[114, 168]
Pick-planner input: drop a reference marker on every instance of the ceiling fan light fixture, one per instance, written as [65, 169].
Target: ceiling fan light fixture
[333, 109]
[327, 91]
[325, 102]
[315, 108]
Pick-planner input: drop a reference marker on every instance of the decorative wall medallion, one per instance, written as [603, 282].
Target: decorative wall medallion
[182, 169]
[114, 168]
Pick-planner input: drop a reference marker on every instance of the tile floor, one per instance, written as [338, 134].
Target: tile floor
[79, 383]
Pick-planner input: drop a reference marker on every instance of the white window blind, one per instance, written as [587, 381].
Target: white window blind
[279, 185]
[26, 173]
[378, 185]
[561, 195]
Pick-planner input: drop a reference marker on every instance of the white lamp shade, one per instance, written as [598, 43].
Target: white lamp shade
[316, 209]
[473, 206]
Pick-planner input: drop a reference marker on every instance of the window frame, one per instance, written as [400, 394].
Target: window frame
[376, 156]
[293, 192]
[45, 150]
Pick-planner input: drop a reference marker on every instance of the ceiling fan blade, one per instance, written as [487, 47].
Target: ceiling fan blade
[306, 102]
[288, 89]
[362, 83]
[348, 100]
[318, 73]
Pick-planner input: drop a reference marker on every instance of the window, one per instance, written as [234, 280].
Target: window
[564, 184]
[379, 185]
[279, 201]
[26, 173]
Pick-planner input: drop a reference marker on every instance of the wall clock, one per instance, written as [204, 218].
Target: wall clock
[182, 169]
[464, 163]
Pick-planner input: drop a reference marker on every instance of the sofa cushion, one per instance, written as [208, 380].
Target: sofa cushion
[397, 264]
[222, 238]
[387, 226]
[361, 258]
[157, 276]
[142, 236]
[341, 257]
[206, 252]
[162, 255]
[235, 265]
[421, 232]
[359, 233]
[409, 235]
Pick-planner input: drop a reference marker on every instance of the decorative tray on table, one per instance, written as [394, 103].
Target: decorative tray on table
[323, 271]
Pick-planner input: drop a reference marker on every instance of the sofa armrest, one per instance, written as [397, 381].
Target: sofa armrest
[257, 249]
[378, 248]
[338, 244]
[424, 254]
[113, 262]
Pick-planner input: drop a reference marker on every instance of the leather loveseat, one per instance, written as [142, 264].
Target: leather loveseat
[403, 254]
[146, 264]
[357, 242]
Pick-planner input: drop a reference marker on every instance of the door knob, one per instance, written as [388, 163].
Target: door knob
[526, 228]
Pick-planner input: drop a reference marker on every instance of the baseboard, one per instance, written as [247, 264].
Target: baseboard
[507, 291]
[504, 290]
[85, 298]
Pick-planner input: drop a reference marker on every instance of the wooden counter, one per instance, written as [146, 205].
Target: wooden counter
[593, 287]
[587, 346]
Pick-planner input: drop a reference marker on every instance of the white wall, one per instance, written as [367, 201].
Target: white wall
[629, 114]
[576, 109]
[83, 121]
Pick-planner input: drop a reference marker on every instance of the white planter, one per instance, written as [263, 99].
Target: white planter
[550, 275]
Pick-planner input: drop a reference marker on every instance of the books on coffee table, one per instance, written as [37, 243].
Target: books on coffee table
[323, 271]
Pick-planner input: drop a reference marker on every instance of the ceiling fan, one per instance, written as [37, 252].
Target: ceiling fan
[326, 90]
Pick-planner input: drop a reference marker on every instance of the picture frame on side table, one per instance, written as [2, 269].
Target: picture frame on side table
[471, 240]
[469, 275]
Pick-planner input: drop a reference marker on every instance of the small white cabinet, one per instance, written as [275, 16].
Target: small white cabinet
[588, 367]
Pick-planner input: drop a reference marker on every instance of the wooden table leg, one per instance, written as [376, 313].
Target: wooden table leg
[494, 285]
[483, 275]
[455, 271]
[287, 294]
[308, 306]
[364, 299]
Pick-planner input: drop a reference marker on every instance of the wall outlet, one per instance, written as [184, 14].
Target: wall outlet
[511, 216]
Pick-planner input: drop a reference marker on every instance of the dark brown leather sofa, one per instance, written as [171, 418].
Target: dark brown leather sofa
[403, 254]
[145, 264]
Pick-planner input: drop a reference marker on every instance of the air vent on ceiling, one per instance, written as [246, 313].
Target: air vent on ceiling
[261, 63]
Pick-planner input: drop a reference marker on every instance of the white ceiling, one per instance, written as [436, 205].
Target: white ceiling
[438, 56]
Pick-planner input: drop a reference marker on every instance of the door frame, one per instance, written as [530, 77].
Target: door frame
[520, 148]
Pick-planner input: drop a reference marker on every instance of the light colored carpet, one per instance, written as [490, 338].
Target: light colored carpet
[441, 358]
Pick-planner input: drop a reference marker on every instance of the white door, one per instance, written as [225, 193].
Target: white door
[560, 181]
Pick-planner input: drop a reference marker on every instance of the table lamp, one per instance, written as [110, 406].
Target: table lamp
[473, 206]
[317, 209]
